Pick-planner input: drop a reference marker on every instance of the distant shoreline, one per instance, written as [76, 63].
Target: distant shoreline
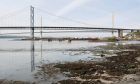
[69, 39]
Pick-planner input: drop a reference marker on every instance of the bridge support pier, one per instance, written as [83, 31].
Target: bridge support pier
[120, 33]
[138, 30]
[32, 21]
[132, 31]
[132, 35]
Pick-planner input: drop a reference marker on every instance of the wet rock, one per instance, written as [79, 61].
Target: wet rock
[116, 66]
[2, 80]
[14, 82]
[79, 82]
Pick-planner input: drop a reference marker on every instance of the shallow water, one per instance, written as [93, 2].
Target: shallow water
[19, 59]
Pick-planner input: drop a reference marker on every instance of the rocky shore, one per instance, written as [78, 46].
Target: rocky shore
[121, 69]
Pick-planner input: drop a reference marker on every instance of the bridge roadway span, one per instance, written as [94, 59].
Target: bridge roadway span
[120, 30]
[64, 28]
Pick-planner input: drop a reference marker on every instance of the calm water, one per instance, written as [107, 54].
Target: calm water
[19, 59]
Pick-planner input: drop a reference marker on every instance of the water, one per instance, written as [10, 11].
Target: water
[19, 59]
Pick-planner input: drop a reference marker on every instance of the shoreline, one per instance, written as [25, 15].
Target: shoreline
[69, 39]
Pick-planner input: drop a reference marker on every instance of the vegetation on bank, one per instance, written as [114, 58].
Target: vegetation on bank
[110, 39]
[132, 36]
[107, 39]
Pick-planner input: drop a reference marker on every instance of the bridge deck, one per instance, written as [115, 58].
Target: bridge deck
[64, 28]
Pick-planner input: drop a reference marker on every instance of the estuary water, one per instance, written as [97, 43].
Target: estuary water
[19, 60]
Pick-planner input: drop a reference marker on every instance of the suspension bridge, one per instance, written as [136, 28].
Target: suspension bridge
[33, 25]
[27, 23]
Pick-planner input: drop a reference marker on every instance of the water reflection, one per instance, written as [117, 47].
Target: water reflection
[41, 52]
[32, 56]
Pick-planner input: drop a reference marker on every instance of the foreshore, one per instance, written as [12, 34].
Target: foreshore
[121, 65]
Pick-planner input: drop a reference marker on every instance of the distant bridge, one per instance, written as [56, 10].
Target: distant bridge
[66, 28]
[32, 27]
[74, 29]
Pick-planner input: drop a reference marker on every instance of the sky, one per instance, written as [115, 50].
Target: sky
[97, 13]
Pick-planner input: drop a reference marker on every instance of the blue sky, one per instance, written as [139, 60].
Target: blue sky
[92, 12]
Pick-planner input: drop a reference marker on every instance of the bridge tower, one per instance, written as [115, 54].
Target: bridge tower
[32, 21]
[120, 33]
[113, 22]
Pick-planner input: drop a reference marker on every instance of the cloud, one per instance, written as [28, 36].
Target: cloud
[72, 6]
[68, 8]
